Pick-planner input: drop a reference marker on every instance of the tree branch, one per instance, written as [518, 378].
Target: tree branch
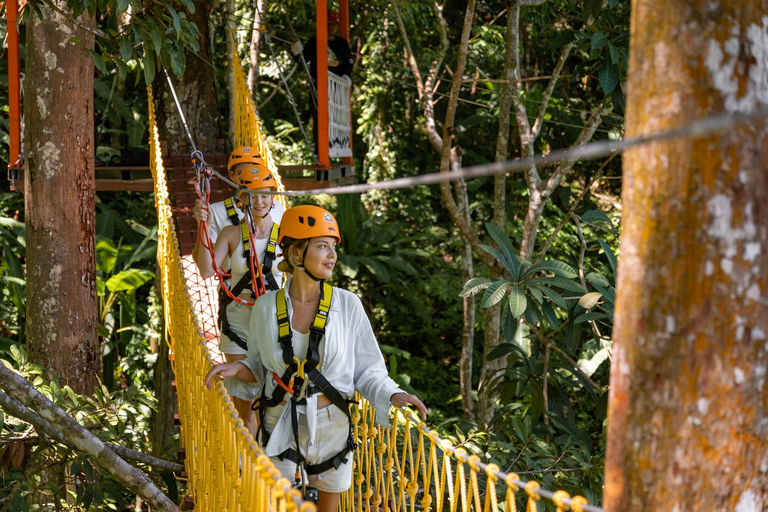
[24, 413]
[77, 437]
[586, 134]
[548, 93]
[576, 203]
[445, 153]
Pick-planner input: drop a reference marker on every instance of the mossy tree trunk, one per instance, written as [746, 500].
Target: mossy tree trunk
[62, 312]
[688, 412]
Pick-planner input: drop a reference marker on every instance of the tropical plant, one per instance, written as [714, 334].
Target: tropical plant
[119, 277]
[12, 279]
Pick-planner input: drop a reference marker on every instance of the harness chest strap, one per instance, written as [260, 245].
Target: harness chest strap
[266, 271]
[234, 218]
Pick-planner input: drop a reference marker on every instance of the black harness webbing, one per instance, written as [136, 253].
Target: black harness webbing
[296, 378]
[229, 203]
[269, 280]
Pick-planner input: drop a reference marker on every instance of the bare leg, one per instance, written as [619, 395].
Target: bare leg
[244, 406]
[328, 501]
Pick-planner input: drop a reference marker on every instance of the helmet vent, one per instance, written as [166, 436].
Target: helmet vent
[311, 221]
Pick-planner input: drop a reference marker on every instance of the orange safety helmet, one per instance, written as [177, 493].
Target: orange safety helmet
[244, 155]
[256, 177]
[308, 221]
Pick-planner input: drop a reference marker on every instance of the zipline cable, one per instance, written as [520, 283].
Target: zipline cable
[589, 151]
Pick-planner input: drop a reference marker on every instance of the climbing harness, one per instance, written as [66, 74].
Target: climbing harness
[263, 276]
[296, 380]
[232, 215]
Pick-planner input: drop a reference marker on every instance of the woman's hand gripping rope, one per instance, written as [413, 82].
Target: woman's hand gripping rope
[224, 370]
[400, 400]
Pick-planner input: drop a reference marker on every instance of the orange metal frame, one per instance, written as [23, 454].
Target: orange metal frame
[14, 84]
[321, 24]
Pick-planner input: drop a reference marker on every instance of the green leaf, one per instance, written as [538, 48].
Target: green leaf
[609, 254]
[532, 314]
[376, 268]
[522, 338]
[506, 245]
[556, 267]
[495, 293]
[586, 317]
[598, 279]
[559, 282]
[508, 324]
[594, 216]
[517, 302]
[129, 279]
[98, 62]
[562, 39]
[590, 9]
[149, 67]
[598, 40]
[513, 268]
[609, 76]
[122, 5]
[614, 53]
[553, 296]
[475, 286]
[549, 314]
[126, 50]
[588, 300]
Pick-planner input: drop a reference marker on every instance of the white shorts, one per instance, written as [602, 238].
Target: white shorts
[238, 316]
[330, 438]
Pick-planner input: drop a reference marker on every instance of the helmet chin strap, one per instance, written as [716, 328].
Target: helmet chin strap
[305, 269]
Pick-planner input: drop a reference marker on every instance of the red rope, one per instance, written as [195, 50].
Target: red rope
[203, 192]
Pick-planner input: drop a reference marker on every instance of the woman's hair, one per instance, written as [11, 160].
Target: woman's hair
[287, 265]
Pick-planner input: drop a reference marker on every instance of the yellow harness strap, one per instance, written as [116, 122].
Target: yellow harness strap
[231, 211]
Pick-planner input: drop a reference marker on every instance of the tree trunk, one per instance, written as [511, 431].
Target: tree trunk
[161, 428]
[60, 200]
[688, 406]
[467, 273]
[197, 94]
[253, 70]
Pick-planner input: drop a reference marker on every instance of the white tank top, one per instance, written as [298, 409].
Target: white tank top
[240, 265]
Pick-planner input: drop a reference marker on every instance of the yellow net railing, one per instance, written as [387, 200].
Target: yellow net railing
[248, 128]
[225, 467]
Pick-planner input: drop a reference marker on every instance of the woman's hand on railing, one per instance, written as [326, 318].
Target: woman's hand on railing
[402, 399]
[224, 370]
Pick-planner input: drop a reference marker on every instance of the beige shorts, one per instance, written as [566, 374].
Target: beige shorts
[238, 316]
[331, 437]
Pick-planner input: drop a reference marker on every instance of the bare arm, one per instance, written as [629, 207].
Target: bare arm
[221, 250]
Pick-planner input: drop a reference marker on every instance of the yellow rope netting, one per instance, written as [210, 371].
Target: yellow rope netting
[226, 469]
[401, 468]
[248, 129]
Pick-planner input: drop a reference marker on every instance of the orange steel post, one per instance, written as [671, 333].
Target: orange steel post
[14, 87]
[322, 82]
[344, 21]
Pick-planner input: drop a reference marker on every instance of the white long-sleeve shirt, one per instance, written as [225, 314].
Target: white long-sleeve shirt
[350, 359]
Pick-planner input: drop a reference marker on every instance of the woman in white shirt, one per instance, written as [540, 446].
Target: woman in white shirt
[236, 243]
[317, 346]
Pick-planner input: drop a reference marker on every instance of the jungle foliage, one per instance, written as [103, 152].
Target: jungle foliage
[400, 251]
